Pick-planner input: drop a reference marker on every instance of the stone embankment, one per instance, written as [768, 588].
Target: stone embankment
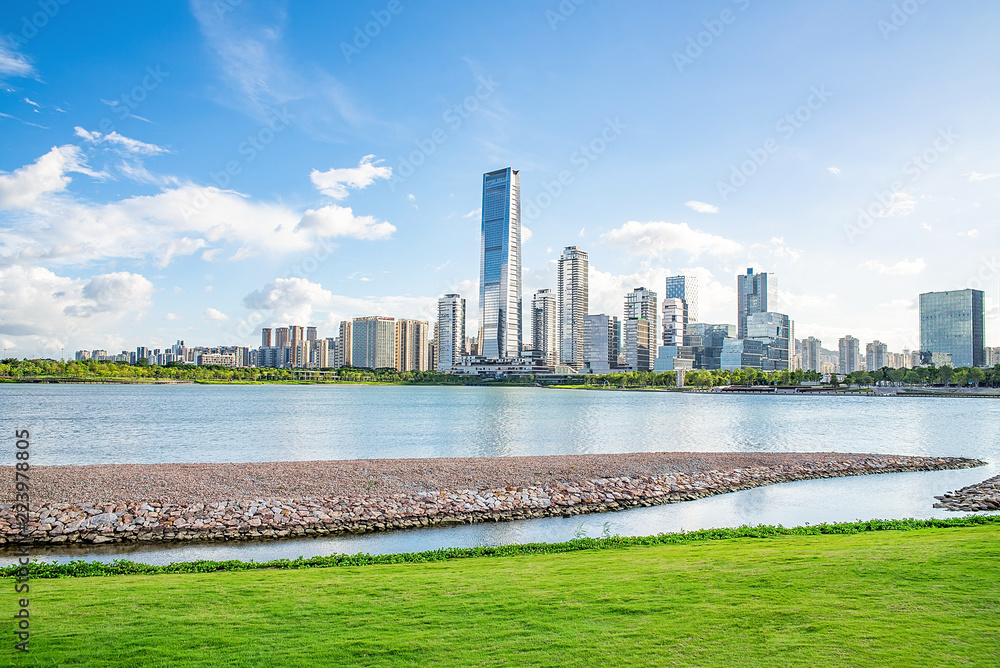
[362, 496]
[980, 497]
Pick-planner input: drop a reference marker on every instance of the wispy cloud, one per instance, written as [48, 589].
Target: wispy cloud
[659, 239]
[13, 63]
[901, 268]
[979, 176]
[701, 207]
[126, 144]
[336, 182]
[834, 170]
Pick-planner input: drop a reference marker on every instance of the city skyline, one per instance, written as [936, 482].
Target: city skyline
[254, 174]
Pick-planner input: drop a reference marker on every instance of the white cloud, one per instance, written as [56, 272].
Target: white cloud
[31, 102]
[526, 234]
[115, 292]
[927, 227]
[171, 316]
[126, 144]
[977, 176]
[834, 170]
[215, 314]
[336, 182]
[340, 221]
[901, 268]
[42, 312]
[475, 213]
[901, 204]
[14, 64]
[300, 301]
[182, 246]
[48, 174]
[701, 207]
[972, 234]
[411, 197]
[660, 239]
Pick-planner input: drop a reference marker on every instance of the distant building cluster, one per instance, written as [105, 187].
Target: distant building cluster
[566, 338]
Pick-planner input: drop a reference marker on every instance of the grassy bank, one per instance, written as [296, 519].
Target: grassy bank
[921, 597]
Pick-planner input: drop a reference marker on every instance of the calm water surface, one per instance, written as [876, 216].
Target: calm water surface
[191, 423]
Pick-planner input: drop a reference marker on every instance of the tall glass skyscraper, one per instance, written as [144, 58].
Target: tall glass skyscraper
[686, 288]
[574, 302]
[752, 293]
[500, 266]
[953, 323]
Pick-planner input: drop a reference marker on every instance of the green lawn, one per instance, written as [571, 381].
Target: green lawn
[929, 597]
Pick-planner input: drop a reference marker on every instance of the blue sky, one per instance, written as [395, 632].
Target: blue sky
[194, 171]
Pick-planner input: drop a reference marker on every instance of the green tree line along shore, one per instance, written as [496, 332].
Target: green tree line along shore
[857, 596]
[14, 370]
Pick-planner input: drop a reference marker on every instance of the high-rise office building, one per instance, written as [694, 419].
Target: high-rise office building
[310, 334]
[601, 342]
[639, 356]
[265, 337]
[686, 288]
[776, 331]
[850, 355]
[641, 304]
[876, 355]
[411, 345]
[543, 327]
[707, 341]
[500, 266]
[812, 352]
[345, 345]
[373, 342]
[450, 339]
[574, 302]
[953, 323]
[675, 319]
[752, 293]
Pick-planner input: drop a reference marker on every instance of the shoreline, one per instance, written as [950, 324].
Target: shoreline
[756, 390]
[176, 503]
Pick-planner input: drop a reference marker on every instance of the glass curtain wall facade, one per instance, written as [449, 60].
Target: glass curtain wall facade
[751, 290]
[500, 266]
[952, 323]
[574, 302]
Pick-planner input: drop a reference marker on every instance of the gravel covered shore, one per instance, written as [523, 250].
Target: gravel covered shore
[979, 497]
[181, 502]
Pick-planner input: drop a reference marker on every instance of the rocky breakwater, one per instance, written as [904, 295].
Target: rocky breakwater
[982, 497]
[269, 517]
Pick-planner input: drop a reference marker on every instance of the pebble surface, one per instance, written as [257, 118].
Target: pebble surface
[981, 497]
[247, 501]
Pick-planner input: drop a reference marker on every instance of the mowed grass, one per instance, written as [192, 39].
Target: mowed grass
[928, 597]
